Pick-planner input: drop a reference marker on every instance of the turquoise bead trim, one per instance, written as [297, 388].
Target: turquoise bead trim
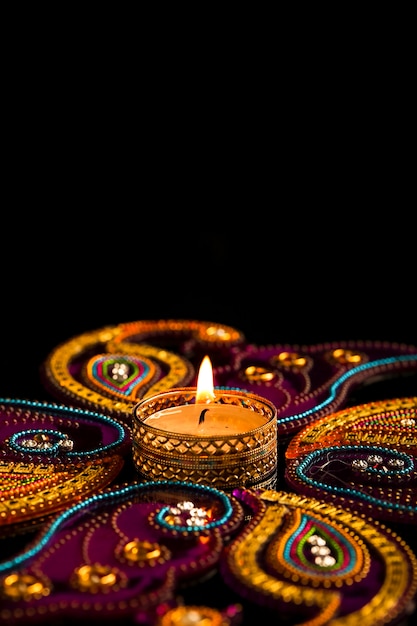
[294, 546]
[73, 412]
[316, 455]
[55, 446]
[114, 497]
[225, 388]
[334, 388]
[160, 517]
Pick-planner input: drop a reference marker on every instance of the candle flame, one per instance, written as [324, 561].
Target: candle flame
[205, 385]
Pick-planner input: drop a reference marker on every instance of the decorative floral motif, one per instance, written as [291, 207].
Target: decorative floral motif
[97, 579]
[25, 587]
[143, 553]
[193, 615]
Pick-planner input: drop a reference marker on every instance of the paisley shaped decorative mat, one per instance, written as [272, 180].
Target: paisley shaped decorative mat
[307, 382]
[309, 562]
[363, 458]
[96, 544]
[110, 369]
[52, 456]
[124, 553]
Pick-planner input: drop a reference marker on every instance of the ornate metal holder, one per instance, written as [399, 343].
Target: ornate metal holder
[225, 462]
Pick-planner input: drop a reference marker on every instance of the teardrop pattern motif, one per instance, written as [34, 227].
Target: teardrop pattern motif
[121, 375]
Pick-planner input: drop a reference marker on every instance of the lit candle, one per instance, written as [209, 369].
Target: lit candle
[223, 438]
[205, 417]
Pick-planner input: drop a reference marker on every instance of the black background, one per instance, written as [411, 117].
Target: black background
[269, 188]
[279, 274]
[300, 243]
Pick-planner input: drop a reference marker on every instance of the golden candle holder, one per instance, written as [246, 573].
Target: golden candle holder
[219, 450]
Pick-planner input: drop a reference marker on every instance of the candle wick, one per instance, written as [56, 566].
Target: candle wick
[202, 414]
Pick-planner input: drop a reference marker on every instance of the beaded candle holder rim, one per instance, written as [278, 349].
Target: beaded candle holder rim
[157, 402]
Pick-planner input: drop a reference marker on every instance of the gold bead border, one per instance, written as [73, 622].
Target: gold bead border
[57, 367]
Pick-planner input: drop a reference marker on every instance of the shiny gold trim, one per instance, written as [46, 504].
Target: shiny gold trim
[58, 367]
[400, 576]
